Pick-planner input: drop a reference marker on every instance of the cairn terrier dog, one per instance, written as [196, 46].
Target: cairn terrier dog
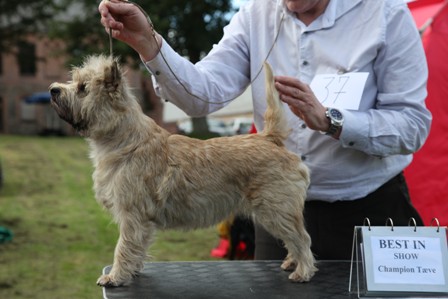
[150, 179]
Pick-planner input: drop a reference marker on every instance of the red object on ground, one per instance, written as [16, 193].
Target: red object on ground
[427, 176]
[221, 250]
[253, 130]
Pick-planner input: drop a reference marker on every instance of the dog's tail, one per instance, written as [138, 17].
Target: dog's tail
[275, 125]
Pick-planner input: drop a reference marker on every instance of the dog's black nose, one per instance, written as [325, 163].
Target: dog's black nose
[55, 91]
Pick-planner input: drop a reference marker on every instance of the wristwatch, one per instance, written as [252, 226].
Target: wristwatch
[336, 120]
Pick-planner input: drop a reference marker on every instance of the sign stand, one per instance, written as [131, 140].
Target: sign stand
[399, 261]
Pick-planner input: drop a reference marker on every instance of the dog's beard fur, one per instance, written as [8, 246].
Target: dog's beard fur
[150, 179]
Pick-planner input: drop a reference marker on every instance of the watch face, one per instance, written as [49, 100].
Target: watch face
[335, 114]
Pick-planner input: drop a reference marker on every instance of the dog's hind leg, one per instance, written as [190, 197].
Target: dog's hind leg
[287, 224]
[130, 251]
[299, 256]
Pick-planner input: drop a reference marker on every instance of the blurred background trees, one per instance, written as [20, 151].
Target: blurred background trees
[191, 27]
[18, 18]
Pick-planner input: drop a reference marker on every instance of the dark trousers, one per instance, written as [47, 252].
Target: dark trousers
[331, 225]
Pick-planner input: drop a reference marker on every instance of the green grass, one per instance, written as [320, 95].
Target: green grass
[62, 237]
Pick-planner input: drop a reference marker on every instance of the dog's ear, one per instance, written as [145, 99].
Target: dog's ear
[112, 76]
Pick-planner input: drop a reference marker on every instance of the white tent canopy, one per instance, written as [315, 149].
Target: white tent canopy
[242, 105]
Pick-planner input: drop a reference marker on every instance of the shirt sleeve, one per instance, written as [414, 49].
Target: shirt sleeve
[204, 87]
[400, 122]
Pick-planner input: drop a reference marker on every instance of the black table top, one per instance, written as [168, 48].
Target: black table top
[232, 279]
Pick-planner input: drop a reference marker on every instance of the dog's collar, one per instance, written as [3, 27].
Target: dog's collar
[80, 127]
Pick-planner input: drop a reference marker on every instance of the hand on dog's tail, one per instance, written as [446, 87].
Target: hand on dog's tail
[275, 125]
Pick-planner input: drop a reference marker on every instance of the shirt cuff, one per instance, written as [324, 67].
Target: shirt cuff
[355, 130]
[159, 67]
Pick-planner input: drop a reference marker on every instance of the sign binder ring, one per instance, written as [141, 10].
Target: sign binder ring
[437, 221]
[415, 223]
[368, 222]
[391, 223]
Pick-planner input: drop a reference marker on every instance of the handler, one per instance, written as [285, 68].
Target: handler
[356, 144]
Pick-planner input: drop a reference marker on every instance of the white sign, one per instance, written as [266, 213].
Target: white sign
[407, 260]
[340, 91]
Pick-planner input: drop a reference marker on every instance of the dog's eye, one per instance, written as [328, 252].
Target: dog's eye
[81, 87]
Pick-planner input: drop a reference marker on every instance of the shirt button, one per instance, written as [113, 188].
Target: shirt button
[351, 143]
[303, 126]
[305, 63]
[157, 73]
[303, 157]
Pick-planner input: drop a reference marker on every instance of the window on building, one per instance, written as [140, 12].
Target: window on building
[27, 58]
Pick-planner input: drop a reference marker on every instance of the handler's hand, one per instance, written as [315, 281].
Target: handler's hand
[302, 102]
[129, 24]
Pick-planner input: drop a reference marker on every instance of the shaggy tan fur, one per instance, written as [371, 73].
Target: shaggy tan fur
[148, 178]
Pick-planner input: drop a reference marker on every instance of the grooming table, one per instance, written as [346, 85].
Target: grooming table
[232, 279]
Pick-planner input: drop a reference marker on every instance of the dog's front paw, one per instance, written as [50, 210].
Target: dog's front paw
[107, 281]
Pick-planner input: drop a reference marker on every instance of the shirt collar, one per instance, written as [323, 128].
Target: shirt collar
[334, 10]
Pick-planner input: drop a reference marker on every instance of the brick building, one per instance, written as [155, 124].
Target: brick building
[30, 68]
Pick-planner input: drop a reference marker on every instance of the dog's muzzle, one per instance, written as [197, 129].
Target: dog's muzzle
[55, 92]
[58, 105]
[65, 112]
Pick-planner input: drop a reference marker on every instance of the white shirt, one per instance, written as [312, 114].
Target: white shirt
[374, 36]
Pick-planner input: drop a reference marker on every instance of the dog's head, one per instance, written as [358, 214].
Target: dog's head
[95, 99]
